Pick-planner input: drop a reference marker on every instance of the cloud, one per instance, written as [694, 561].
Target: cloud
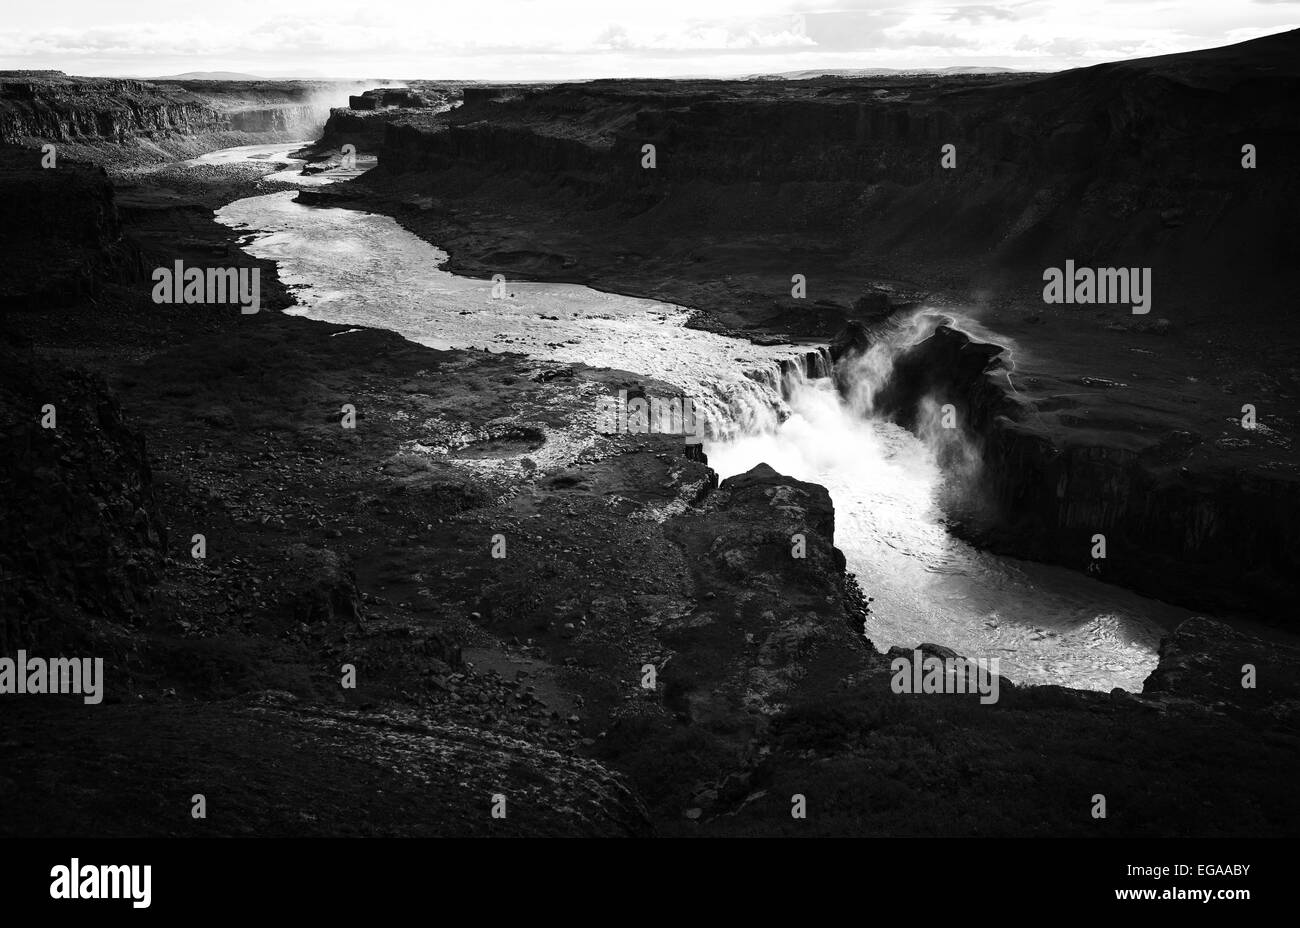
[851, 30]
[511, 39]
[977, 13]
[613, 37]
[929, 40]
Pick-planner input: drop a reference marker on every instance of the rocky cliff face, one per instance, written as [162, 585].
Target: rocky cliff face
[178, 118]
[60, 231]
[364, 121]
[345, 126]
[80, 533]
[1221, 538]
[67, 109]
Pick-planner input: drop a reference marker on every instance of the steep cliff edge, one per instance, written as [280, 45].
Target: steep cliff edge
[364, 122]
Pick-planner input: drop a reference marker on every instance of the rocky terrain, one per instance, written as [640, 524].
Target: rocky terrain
[646, 657]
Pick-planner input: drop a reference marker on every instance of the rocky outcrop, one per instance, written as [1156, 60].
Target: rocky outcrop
[347, 126]
[60, 232]
[319, 587]
[1209, 665]
[779, 613]
[948, 367]
[384, 97]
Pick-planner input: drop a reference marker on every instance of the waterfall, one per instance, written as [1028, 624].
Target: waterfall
[759, 402]
[862, 376]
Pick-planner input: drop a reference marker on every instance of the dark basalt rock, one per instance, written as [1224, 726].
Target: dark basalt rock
[1209, 664]
[79, 529]
[949, 367]
[853, 339]
[875, 304]
[320, 587]
[60, 233]
[763, 483]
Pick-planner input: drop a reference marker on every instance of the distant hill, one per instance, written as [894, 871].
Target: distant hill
[208, 76]
[876, 72]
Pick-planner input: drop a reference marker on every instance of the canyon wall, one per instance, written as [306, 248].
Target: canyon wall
[67, 109]
[364, 121]
[1138, 162]
[80, 533]
[61, 234]
[116, 121]
[1225, 538]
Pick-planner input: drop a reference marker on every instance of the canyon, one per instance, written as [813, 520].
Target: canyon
[524, 676]
[1105, 423]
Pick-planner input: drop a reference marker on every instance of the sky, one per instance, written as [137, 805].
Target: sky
[577, 39]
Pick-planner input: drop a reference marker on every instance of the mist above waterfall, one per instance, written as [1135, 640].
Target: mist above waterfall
[862, 376]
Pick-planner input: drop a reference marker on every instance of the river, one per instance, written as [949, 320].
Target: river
[1045, 624]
